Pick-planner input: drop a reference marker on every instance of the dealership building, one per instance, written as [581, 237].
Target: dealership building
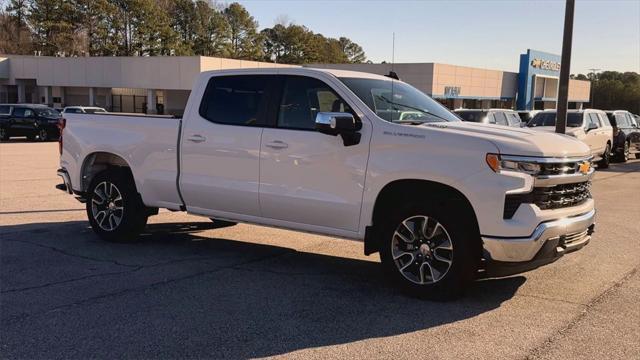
[162, 84]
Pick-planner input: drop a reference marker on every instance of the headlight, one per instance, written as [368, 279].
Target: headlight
[497, 165]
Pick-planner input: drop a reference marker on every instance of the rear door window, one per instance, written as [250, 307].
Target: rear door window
[237, 100]
[19, 112]
[604, 120]
[621, 120]
[5, 110]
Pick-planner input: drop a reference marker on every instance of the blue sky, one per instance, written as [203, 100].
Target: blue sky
[488, 34]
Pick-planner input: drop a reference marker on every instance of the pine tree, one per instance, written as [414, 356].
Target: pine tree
[246, 41]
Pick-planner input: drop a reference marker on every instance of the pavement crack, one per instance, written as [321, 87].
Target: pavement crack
[42, 286]
[541, 349]
[93, 299]
[64, 252]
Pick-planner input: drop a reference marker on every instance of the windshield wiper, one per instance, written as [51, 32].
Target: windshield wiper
[412, 121]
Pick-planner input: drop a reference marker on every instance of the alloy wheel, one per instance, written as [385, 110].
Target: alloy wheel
[43, 135]
[107, 206]
[422, 250]
[626, 151]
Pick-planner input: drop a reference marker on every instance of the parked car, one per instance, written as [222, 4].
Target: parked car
[527, 115]
[590, 126]
[626, 135]
[504, 117]
[320, 151]
[30, 120]
[83, 110]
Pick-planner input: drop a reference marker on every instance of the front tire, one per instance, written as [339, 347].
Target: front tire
[429, 249]
[114, 208]
[43, 135]
[606, 158]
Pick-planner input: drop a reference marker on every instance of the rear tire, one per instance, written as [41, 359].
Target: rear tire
[606, 158]
[435, 260]
[4, 134]
[624, 155]
[114, 207]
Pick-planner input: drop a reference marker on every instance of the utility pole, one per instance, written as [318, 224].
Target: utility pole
[565, 67]
[591, 93]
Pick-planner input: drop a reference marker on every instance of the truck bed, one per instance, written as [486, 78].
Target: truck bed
[147, 143]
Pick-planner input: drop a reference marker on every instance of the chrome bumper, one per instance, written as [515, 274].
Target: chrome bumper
[570, 233]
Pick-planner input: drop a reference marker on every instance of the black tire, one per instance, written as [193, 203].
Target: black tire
[43, 135]
[4, 134]
[606, 158]
[638, 155]
[623, 156]
[465, 254]
[133, 215]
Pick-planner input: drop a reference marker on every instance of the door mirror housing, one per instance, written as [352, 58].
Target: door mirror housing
[339, 123]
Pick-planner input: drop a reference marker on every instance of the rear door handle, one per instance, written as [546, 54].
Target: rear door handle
[197, 138]
[277, 144]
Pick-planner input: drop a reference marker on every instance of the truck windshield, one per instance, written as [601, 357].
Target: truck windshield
[549, 119]
[397, 101]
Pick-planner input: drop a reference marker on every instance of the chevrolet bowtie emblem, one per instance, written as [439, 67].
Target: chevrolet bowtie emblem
[585, 167]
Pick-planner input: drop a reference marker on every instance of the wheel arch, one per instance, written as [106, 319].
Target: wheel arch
[98, 161]
[406, 190]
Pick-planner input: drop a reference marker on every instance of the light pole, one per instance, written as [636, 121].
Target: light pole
[565, 67]
[591, 93]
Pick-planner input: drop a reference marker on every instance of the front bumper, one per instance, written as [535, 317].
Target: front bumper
[568, 234]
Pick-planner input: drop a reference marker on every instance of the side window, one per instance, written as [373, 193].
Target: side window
[491, 118]
[629, 120]
[501, 119]
[593, 119]
[621, 120]
[18, 112]
[28, 113]
[5, 109]
[236, 100]
[604, 120]
[303, 98]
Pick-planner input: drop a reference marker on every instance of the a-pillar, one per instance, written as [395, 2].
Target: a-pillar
[92, 96]
[22, 92]
[152, 101]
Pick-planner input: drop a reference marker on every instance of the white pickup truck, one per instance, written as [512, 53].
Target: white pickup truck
[344, 154]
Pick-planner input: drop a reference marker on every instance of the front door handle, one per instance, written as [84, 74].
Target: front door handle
[277, 144]
[197, 138]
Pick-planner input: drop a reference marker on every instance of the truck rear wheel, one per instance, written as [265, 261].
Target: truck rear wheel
[429, 251]
[606, 158]
[114, 208]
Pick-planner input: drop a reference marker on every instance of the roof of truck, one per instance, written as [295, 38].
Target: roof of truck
[301, 71]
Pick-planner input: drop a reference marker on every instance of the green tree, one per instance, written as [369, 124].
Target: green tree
[613, 90]
[54, 24]
[353, 51]
[212, 33]
[246, 42]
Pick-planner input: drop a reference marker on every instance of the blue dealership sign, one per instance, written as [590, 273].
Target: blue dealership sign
[534, 63]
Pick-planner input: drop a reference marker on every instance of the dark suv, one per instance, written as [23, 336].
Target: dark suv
[30, 120]
[626, 134]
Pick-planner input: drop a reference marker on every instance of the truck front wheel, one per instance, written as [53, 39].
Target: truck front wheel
[114, 208]
[429, 251]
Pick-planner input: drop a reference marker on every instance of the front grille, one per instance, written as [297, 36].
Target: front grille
[552, 197]
[565, 168]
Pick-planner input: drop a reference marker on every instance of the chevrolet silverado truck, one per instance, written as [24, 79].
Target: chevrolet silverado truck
[330, 152]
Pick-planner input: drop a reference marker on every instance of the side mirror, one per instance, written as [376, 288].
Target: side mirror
[339, 123]
[591, 126]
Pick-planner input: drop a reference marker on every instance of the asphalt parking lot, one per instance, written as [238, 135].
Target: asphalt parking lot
[188, 290]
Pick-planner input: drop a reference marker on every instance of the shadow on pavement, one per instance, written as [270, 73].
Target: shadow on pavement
[177, 293]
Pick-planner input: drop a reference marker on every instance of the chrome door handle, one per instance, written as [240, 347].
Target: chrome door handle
[196, 138]
[277, 144]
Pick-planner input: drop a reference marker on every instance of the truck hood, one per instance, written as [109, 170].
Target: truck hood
[552, 129]
[518, 141]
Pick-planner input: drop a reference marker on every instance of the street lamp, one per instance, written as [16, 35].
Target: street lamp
[591, 93]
